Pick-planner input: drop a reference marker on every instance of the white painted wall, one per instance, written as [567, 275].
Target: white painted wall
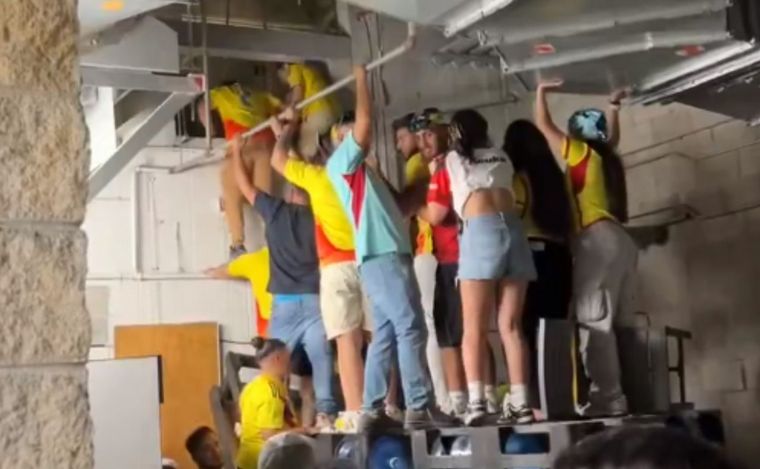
[182, 232]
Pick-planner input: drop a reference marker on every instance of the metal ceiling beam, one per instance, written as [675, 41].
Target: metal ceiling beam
[127, 80]
[747, 60]
[268, 45]
[157, 119]
[638, 43]
[470, 13]
[602, 20]
[693, 65]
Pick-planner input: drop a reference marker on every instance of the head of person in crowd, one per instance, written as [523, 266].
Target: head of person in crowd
[204, 449]
[343, 127]
[287, 451]
[590, 126]
[432, 133]
[643, 447]
[406, 141]
[530, 154]
[272, 356]
[468, 131]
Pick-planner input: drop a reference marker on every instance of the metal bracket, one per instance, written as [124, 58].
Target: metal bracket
[127, 80]
[163, 113]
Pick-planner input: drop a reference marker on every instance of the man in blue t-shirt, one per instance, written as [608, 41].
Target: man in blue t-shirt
[294, 283]
[384, 256]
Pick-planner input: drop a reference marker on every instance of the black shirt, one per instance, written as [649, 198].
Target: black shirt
[293, 262]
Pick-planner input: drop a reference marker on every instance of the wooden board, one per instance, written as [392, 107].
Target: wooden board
[190, 361]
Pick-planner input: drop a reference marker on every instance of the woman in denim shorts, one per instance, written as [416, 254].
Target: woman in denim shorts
[495, 262]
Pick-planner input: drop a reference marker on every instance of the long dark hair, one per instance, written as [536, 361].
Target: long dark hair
[529, 151]
[614, 178]
[469, 132]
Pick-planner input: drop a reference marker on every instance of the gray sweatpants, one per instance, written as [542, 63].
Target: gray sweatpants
[603, 275]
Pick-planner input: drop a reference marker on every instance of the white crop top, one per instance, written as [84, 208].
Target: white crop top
[491, 169]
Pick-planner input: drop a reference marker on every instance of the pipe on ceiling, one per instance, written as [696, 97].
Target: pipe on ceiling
[402, 49]
[465, 16]
[639, 43]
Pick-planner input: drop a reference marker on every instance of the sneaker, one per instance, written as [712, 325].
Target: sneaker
[492, 406]
[429, 418]
[395, 413]
[347, 421]
[376, 420]
[324, 423]
[236, 251]
[596, 408]
[475, 414]
[520, 415]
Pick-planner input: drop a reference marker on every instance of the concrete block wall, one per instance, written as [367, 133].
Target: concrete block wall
[704, 278]
[44, 325]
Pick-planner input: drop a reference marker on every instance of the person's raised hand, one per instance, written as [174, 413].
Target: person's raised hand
[553, 84]
[360, 72]
[290, 114]
[619, 95]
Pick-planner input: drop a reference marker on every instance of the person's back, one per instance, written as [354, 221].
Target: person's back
[637, 447]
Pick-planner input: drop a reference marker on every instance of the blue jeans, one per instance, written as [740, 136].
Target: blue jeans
[398, 321]
[297, 321]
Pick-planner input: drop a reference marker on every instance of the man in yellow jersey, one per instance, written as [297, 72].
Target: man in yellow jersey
[304, 82]
[240, 108]
[254, 267]
[344, 308]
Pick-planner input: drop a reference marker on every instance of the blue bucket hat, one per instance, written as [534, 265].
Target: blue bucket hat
[588, 124]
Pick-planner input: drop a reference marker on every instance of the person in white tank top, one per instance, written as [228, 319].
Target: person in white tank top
[495, 262]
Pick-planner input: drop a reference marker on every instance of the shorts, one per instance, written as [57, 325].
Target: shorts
[447, 306]
[494, 247]
[342, 301]
[299, 362]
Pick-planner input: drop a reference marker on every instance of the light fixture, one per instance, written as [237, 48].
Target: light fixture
[112, 5]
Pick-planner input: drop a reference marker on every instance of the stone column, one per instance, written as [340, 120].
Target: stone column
[44, 326]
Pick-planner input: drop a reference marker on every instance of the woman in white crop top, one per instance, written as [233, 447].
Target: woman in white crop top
[495, 263]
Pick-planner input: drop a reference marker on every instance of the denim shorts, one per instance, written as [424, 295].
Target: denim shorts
[494, 247]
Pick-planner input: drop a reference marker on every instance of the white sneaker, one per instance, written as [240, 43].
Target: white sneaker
[476, 414]
[492, 406]
[324, 423]
[347, 421]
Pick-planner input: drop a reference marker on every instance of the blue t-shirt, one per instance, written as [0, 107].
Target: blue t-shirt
[293, 263]
[377, 221]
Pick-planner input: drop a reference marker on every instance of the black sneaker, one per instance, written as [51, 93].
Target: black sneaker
[429, 418]
[376, 420]
[520, 415]
[476, 413]
[236, 251]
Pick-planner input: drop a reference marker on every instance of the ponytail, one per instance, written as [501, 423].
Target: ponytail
[266, 347]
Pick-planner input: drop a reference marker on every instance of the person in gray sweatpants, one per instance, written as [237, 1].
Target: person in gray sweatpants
[604, 254]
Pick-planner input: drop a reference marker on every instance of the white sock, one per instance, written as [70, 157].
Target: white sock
[490, 392]
[475, 389]
[458, 400]
[518, 395]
